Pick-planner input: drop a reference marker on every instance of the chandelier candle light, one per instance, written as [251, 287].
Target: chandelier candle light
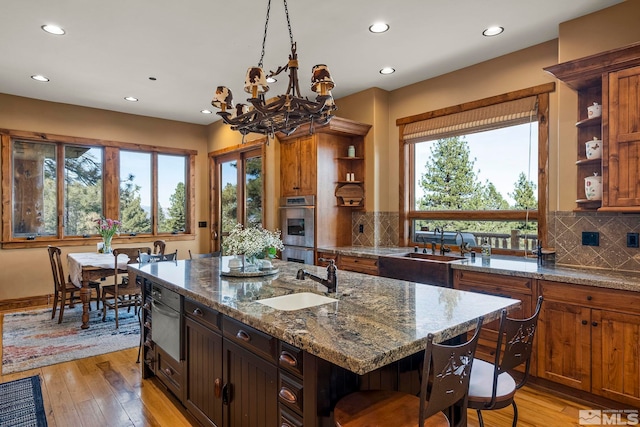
[283, 113]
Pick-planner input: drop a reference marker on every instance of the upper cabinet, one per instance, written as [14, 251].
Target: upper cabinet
[608, 128]
[297, 166]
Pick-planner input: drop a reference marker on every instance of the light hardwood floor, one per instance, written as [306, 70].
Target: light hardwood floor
[108, 390]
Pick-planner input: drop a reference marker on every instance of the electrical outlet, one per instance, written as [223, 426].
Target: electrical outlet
[361, 228]
[590, 238]
[632, 240]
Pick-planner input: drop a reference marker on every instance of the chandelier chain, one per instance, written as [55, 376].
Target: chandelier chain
[264, 37]
[286, 12]
[266, 27]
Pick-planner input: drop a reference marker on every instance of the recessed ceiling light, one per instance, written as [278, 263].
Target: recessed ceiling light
[271, 80]
[379, 27]
[40, 78]
[53, 29]
[131, 98]
[387, 70]
[492, 31]
[153, 79]
[206, 111]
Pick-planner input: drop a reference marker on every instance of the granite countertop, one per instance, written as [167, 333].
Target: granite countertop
[515, 266]
[374, 321]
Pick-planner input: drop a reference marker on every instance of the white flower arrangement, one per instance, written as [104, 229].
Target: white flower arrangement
[253, 242]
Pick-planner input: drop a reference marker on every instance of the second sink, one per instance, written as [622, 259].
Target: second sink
[419, 267]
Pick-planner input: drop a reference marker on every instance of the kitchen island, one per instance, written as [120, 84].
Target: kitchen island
[368, 337]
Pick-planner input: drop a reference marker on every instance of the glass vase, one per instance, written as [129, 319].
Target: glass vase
[107, 244]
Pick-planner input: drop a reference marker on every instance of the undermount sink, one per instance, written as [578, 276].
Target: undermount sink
[419, 267]
[296, 301]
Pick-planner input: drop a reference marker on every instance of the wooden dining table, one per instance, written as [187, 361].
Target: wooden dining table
[87, 266]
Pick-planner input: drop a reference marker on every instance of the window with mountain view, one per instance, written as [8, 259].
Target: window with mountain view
[474, 169]
[58, 187]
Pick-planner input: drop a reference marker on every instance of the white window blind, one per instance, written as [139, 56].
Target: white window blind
[494, 116]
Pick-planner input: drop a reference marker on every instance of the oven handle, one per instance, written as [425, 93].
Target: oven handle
[164, 310]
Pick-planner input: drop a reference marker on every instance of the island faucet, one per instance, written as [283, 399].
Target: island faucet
[331, 282]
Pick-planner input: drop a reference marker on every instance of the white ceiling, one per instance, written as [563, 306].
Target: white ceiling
[112, 47]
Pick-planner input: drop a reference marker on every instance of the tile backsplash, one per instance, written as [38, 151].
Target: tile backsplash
[378, 228]
[565, 235]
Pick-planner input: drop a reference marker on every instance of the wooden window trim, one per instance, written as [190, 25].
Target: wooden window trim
[406, 211]
[110, 188]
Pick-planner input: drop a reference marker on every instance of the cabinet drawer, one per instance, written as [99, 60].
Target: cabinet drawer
[591, 296]
[290, 419]
[290, 392]
[291, 358]
[496, 283]
[250, 338]
[326, 255]
[202, 314]
[358, 264]
[169, 372]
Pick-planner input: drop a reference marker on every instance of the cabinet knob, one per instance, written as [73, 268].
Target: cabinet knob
[584, 322]
[594, 323]
[287, 395]
[589, 297]
[197, 312]
[288, 359]
[242, 335]
[168, 371]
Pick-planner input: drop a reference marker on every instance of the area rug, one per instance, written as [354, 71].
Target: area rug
[31, 339]
[21, 403]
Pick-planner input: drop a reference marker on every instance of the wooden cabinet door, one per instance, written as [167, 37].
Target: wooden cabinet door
[298, 167]
[251, 389]
[307, 165]
[204, 373]
[289, 168]
[621, 156]
[616, 356]
[564, 344]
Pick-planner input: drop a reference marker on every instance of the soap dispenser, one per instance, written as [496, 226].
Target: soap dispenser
[486, 248]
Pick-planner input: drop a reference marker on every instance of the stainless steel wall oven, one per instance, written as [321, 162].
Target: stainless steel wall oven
[297, 222]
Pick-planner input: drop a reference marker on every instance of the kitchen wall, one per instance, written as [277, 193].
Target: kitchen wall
[26, 272]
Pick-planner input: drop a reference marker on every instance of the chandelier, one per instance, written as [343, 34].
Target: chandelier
[283, 113]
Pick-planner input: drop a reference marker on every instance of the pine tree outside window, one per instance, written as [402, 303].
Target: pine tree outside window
[480, 169]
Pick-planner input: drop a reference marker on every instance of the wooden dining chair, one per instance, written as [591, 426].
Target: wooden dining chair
[159, 247]
[122, 293]
[492, 386]
[446, 370]
[63, 289]
[206, 255]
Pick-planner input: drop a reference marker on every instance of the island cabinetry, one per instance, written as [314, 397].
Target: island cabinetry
[250, 391]
[203, 341]
[505, 286]
[588, 340]
[148, 347]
